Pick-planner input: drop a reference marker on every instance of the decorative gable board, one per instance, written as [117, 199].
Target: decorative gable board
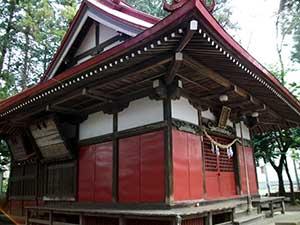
[54, 138]
[20, 145]
[82, 37]
[17, 147]
[89, 40]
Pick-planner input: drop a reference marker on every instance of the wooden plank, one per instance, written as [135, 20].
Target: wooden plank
[39, 221]
[174, 67]
[205, 71]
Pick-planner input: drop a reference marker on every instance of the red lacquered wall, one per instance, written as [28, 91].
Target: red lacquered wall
[187, 166]
[251, 170]
[95, 173]
[219, 171]
[141, 168]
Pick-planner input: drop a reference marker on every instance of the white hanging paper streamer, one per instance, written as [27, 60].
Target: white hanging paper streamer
[217, 151]
[212, 148]
[231, 151]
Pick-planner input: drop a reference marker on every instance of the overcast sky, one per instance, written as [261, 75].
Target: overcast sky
[256, 19]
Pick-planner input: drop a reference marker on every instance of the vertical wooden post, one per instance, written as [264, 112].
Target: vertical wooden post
[81, 219]
[50, 218]
[202, 152]
[27, 217]
[168, 152]
[115, 159]
[282, 207]
[246, 170]
[210, 219]
[122, 221]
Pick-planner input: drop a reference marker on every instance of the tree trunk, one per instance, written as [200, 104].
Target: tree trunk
[24, 75]
[293, 197]
[281, 188]
[6, 37]
[278, 169]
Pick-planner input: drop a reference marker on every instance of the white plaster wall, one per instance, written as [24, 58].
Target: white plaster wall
[208, 115]
[183, 110]
[139, 113]
[245, 129]
[106, 33]
[97, 124]
[88, 42]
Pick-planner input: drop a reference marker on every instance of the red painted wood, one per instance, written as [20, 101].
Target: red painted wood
[103, 172]
[86, 177]
[95, 173]
[196, 221]
[180, 166]
[129, 169]
[195, 166]
[152, 167]
[212, 185]
[187, 166]
[251, 170]
[141, 168]
[219, 171]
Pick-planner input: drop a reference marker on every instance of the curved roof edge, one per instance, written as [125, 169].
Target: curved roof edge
[121, 12]
[211, 23]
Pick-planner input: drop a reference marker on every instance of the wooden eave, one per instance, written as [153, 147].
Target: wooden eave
[126, 72]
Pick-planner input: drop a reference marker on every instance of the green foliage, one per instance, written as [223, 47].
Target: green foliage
[289, 11]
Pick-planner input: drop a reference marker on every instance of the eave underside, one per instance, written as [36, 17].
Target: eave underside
[206, 73]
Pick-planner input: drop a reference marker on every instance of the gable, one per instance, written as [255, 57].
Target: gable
[96, 28]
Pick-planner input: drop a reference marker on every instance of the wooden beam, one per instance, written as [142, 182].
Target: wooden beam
[85, 92]
[60, 109]
[174, 67]
[205, 71]
[185, 40]
[137, 69]
[193, 82]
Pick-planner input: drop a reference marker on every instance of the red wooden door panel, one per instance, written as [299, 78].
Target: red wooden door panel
[212, 185]
[103, 172]
[129, 169]
[180, 166]
[86, 177]
[195, 166]
[219, 171]
[152, 167]
[251, 170]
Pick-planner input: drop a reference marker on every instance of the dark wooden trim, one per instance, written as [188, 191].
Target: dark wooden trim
[100, 47]
[168, 152]
[97, 33]
[115, 183]
[237, 172]
[202, 153]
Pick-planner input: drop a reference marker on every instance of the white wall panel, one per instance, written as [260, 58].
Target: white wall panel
[245, 129]
[183, 110]
[208, 115]
[88, 41]
[139, 113]
[97, 124]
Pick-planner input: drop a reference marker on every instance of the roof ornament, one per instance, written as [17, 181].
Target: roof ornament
[176, 4]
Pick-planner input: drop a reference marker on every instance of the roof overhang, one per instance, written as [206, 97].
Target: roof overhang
[213, 63]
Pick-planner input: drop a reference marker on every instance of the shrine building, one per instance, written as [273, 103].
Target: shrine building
[141, 121]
